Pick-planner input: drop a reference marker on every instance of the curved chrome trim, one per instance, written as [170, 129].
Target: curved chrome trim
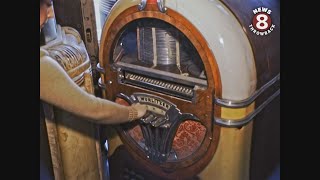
[248, 118]
[248, 101]
[100, 69]
[79, 79]
[161, 6]
[125, 97]
[142, 5]
[101, 85]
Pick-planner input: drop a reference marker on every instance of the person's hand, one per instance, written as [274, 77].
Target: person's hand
[141, 109]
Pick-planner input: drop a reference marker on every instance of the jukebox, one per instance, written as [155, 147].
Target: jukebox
[69, 144]
[206, 69]
[204, 75]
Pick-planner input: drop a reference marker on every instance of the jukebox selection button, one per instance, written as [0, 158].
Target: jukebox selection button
[183, 90]
[149, 118]
[158, 122]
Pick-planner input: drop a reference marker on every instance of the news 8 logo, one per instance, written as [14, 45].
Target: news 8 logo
[261, 21]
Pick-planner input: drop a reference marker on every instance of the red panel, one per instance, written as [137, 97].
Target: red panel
[188, 138]
[151, 1]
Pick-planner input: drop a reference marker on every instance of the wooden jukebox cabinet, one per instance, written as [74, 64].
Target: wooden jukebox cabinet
[204, 75]
[72, 141]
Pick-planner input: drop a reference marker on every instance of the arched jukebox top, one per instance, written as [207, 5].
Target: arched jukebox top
[192, 63]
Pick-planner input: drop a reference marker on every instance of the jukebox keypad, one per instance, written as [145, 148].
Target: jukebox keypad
[154, 119]
[159, 125]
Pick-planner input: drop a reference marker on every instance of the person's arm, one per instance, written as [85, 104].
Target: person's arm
[57, 88]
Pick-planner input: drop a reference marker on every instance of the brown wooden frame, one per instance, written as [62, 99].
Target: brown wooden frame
[202, 107]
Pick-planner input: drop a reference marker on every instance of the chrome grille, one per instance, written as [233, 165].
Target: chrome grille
[67, 56]
[175, 89]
